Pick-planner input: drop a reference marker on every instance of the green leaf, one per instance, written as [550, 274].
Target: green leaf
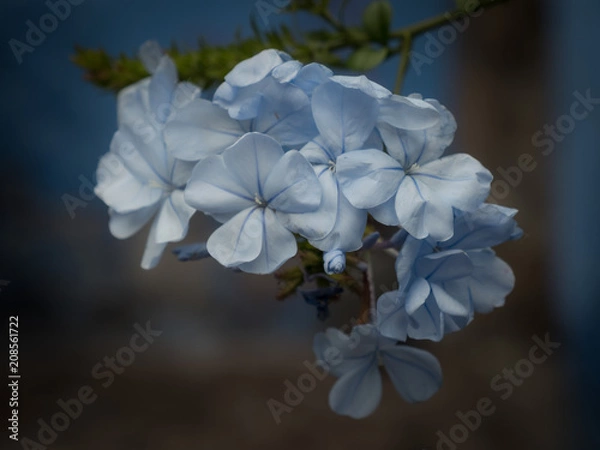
[366, 58]
[377, 19]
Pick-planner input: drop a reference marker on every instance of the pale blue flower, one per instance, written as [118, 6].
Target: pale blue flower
[268, 93]
[355, 359]
[334, 262]
[442, 284]
[252, 187]
[139, 179]
[346, 117]
[412, 186]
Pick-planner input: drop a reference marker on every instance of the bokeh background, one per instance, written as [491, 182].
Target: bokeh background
[227, 345]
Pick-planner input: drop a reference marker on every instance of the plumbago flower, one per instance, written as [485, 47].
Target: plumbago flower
[355, 359]
[347, 112]
[140, 179]
[287, 156]
[251, 187]
[268, 93]
[411, 185]
[442, 284]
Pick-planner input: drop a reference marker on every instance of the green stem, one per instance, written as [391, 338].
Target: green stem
[406, 47]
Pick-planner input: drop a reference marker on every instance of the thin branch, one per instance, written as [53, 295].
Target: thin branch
[406, 48]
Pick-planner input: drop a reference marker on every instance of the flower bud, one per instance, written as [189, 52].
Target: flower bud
[334, 262]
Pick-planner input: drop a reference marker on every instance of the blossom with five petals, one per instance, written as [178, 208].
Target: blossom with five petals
[252, 187]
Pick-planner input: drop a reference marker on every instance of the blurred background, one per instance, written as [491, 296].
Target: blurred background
[227, 345]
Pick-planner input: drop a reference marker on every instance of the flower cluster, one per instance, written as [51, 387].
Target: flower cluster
[286, 153]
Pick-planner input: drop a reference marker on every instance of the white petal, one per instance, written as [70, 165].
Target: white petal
[251, 159]
[123, 226]
[201, 129]
[386, 213]
[161, 89]
[344, 116]
[458, 180]
[173, 218]
[416, 374]
[316, 224]
[292, 186]
[368, 178]
[348, 230]
[213, 190]
[239, 240]
[121, 190]
[420, 213]
[254, 69]
[357, 393]
[278, 245]
[153, 251]
[407, 113]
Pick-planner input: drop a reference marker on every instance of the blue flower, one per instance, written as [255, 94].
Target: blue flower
[268, 93]
[442, 284]
[355, 358]
[251, 188]
[139, 179]
[334, 262]
[346, 112]
[412, 186]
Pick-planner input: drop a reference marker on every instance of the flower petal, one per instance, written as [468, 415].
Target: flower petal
[392, 318]
[285, 114]
[120, 189]
[153, 251]
[427, 322]
[357, 393]
[416, 295]
[278, 245]
[346, 235]
[416, 374]
[487, 226]
[407, 113]
[489, 284]
[213, 190]
[123, 226]
[459, 307]
[318, 223]
[419, 214]
[368, 178]
[238, 240]
[292, 186]
[420, 146]
[459, 180]
[345, 117]
[173, 218]
[160, 91]
[254, 69]
[251, 159]
[201, 129]
[386, 213]
[444, 266]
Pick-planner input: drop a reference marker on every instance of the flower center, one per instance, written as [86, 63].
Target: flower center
[260, 201]
[331, 166]
[412, 168]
